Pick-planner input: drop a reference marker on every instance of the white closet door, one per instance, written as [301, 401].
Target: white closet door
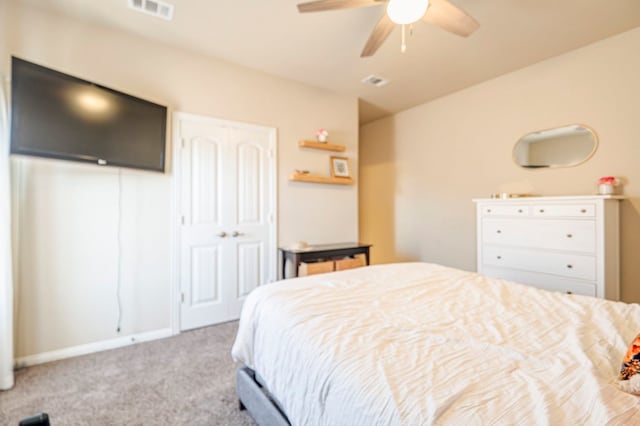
[228, 229]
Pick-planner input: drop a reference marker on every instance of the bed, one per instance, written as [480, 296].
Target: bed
[418, 344]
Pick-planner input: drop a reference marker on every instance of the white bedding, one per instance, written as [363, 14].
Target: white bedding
[417, 343]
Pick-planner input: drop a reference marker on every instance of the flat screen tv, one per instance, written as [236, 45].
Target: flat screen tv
[56, 115]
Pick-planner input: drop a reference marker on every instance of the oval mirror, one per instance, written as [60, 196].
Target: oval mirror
[560, 147]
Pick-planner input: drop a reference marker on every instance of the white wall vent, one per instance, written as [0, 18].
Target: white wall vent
[375, 80]
[156, 8]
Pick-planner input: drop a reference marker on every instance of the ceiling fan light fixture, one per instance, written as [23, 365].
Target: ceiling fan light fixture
[406, 12]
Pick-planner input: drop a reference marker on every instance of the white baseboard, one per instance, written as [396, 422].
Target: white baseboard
[89, 348]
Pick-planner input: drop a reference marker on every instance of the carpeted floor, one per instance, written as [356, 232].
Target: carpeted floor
[185, 379]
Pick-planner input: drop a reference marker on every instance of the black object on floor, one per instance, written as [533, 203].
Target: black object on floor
[41, 419]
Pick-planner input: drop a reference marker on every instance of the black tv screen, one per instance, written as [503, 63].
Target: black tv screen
[56, 115]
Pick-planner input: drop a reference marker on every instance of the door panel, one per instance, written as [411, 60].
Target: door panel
[205, 275]
[201, 278]
[250, 183]
[205, 182]
[250, 270]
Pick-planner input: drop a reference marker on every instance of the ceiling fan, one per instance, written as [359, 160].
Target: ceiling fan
[404, 12]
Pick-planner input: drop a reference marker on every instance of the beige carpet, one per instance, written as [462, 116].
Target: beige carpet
[186, 379]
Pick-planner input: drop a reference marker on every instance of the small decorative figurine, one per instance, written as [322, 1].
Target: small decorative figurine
[322, 135]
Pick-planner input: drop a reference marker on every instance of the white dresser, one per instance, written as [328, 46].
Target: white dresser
[568, 244]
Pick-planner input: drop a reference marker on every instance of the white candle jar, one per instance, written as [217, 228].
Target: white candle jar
[606, 189]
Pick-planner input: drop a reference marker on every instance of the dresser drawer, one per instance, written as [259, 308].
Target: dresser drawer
[564, 210]
[543, 281]
[566, 265]
[505, 210]
[569, 235]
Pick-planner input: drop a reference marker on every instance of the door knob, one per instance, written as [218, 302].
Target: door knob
[222, 234]
[236, 234]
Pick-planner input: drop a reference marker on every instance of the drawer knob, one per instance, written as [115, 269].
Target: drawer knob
[569, 292]
[569, 235]
[541, 210]
[499, 231]
[570, 266]
[519, 210]
[499, 257]
[583, 211]
[488, 210]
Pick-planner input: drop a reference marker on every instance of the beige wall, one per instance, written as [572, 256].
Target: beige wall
[419, 169]
[67, 211]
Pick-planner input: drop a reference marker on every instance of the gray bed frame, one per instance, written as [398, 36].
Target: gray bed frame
[254, 397]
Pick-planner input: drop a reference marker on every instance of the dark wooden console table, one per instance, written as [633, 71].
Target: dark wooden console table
[321, 252]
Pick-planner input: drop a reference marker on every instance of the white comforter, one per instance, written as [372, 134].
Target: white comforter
[415, 344]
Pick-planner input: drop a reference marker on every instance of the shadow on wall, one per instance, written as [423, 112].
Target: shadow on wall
[629, 241]
[377, 193]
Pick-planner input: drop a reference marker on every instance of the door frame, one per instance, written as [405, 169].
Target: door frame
[176, 203]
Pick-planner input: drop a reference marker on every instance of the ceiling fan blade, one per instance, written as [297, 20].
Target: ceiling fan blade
[378, 36]
[321, 5]
[451, 18]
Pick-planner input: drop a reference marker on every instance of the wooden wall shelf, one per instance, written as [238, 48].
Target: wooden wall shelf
[321, 145]
[298, 177]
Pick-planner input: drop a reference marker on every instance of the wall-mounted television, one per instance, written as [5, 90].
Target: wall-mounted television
[56, 115]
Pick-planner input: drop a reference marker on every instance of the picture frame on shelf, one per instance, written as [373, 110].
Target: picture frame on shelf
[339, 167]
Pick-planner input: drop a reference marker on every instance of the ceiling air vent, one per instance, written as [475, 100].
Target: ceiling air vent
[374, 80]
[155, 8]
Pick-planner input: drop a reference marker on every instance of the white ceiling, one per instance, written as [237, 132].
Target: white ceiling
[323, 49]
